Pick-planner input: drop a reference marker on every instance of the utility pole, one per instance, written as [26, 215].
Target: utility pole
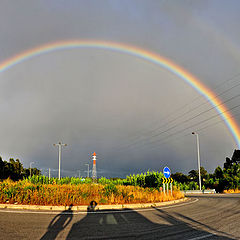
[49, 173]
[60, 145]
[88, 169]
[31, 168]
[198, 155]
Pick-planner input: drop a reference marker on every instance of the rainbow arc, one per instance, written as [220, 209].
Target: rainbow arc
[140, 53]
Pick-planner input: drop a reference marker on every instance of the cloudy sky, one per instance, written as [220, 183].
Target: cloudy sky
[135, 115]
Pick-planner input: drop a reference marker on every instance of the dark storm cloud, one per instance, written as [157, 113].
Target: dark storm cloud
[101, 101]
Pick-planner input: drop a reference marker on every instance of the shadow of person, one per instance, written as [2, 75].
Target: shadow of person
[130, 224]
[92, 206]
[101, 224]
[58, 223]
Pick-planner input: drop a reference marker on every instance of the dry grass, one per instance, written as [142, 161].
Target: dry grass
[53, 194]
[232, 191]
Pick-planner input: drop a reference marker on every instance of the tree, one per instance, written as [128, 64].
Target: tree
[1, 168]
[234, 160]
[218, 173]
[236, 157]
[14, 170]
[228, 163]
[204, 174]
[180, 177]
[193, 175]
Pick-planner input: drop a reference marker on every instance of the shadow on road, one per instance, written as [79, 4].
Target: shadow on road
[129, 224]
[187, 223]
[58, 224]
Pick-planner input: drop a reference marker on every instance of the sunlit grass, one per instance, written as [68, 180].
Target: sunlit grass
[232, 191]
[23, 192]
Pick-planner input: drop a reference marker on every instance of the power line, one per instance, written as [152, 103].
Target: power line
[205, 120]
[183, 121]
[198, 130]
[194, 108]
[205, 111]
[138, 138]
[182, 130]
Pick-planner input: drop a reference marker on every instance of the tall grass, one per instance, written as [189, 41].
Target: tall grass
[26, 192]
[149, 179]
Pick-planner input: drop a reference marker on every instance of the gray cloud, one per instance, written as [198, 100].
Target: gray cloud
[103, 101]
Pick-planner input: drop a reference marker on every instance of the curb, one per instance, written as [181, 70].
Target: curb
[84, 207]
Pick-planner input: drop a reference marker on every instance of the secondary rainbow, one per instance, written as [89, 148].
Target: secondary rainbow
[140, 53]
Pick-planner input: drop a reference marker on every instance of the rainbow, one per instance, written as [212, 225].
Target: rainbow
[140, 53]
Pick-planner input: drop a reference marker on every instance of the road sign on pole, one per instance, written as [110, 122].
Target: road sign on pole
[166, 172]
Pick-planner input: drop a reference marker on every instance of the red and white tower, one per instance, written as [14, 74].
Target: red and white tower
[94, 169]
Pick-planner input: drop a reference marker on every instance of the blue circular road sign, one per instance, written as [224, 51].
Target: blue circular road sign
[166, 172]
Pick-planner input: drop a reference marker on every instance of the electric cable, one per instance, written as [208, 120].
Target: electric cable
[184, 121]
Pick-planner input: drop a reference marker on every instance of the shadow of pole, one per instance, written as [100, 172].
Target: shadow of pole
[58, 223]
[189, 223]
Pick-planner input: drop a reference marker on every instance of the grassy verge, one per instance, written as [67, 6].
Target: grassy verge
[232, 191]
[23, 192]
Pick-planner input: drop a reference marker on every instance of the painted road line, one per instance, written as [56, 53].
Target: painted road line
[204, 236]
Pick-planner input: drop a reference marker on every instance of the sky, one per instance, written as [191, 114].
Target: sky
[135, 115]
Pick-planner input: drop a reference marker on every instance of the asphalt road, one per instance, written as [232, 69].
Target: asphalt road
[203, 217]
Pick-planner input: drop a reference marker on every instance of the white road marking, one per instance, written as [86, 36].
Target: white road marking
[100, 212]
[202, 237]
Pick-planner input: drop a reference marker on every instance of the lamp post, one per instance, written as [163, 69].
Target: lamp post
[31, 168]
[198, 155]
[60, 145]
[88, 169]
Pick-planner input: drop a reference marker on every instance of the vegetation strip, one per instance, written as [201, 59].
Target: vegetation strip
[27, 193]
[223, 179]
[84, 208]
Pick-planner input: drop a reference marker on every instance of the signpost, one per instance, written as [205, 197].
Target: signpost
[171, 180]
[166, 173]
[167, 181]
[164, 185]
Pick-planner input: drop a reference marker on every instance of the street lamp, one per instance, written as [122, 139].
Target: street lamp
[88, 169]
[59, 156]
[198, 155]
[31, 168]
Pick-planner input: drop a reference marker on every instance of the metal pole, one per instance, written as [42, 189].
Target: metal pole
[171, 188]
[49, 173]
[59, 157]
[31, 168]
[59, 160]
[167, 189]
[88, 170]
[199, 166]
[164, 188]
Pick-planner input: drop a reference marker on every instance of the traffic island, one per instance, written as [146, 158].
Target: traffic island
[98, 207]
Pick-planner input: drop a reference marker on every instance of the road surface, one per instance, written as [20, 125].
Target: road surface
[203, 217]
